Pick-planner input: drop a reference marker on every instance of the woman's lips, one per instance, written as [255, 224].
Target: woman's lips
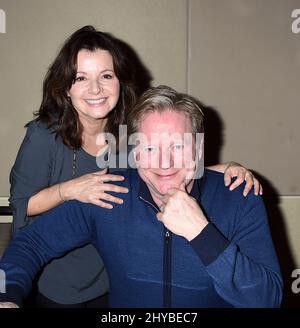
[96, 102]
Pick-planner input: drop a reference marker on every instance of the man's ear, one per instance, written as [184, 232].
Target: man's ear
[199, 156]
[134, 156]
[132, 159]
[200, 150]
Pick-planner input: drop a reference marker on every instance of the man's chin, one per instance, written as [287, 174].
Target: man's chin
[165, 188]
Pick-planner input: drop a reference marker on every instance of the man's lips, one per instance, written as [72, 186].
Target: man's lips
[166, 176]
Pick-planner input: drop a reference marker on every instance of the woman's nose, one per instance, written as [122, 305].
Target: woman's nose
[96, 87]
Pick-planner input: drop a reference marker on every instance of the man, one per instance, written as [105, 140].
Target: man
[176, 241]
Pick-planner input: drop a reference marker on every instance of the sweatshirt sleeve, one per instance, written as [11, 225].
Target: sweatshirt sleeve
[31, 171]
[244, 269]
[56, 232]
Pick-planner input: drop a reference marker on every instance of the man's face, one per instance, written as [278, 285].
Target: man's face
[166, 152]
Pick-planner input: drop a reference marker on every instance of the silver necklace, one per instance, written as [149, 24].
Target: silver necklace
[74, 163]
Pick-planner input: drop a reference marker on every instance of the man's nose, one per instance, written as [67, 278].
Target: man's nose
[165, 160]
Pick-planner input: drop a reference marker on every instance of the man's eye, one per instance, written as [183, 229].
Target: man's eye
[177, 147]
[149, 149]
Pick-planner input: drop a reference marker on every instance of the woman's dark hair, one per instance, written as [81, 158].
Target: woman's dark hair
[57, 112]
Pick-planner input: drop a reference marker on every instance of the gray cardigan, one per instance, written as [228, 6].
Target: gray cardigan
[42, 161]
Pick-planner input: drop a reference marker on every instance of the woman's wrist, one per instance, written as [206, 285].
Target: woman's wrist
[64, 191]
[62, 198]
[218, 167]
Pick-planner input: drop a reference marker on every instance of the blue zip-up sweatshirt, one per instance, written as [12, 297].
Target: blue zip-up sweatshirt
[231, 263]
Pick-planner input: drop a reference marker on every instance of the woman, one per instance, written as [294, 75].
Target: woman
[86, 91]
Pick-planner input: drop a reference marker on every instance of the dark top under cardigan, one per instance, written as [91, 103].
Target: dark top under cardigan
[42, 161]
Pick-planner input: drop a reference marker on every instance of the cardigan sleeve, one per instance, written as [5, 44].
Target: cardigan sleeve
[31, 171]
[245, 270]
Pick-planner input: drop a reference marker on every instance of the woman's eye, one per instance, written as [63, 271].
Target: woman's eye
[80, 78]
[107, 76]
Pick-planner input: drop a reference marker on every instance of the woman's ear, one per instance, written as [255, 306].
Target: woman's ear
[69, 97]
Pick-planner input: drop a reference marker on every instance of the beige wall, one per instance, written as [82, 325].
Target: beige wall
[156, 29]
[245, 63]
[239, 57]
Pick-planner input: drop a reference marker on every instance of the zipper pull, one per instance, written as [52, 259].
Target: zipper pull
[167, 236]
